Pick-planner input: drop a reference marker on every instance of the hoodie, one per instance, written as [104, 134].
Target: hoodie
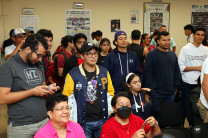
[119, 64]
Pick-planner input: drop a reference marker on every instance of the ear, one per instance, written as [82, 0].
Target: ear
[114, 109]
[50, 114]
[28, 50]
[131, 37]
[116, 42]
[128, 85]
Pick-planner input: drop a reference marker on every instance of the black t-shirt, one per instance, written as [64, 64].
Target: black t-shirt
[93, 98]
[100, 60]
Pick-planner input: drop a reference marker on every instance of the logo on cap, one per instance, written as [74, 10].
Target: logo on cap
[90, 44]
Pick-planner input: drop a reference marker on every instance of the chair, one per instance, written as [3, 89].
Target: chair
[171, 117]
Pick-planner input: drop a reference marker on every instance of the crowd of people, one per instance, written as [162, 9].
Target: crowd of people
[89, 89]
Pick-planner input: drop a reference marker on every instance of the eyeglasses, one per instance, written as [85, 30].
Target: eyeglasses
[89, 54]
[61, 109]
[38, 55]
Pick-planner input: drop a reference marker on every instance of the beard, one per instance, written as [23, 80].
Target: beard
[29, 60]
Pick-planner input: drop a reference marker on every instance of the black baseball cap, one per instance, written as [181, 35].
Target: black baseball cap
[87, 46]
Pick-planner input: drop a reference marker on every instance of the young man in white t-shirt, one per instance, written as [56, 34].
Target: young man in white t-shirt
[190, 61]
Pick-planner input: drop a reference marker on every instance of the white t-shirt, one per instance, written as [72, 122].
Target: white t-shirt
[204, 71]
[9, 49]
[191, 56]
[190, 39]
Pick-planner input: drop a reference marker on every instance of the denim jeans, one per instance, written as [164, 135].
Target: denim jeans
[185, 101]
[93, 128]
[166, 98]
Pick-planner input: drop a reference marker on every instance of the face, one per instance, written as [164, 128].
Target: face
[147, 40]
[35, 56]
[98, 38]
[71, 45]
[163, 29]
[122, 101]
[105, 46]
[164, 42]
[20, 39]
[121, 41]
[135, 84]
[60, 113]
[50, 42]
[80, 43]
[187, 32]
[199, 37]
[90, 57]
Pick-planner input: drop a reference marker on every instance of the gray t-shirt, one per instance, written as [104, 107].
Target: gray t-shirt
[19, 76]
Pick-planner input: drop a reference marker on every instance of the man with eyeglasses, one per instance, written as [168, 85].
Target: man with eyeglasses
[90, 90]
[121, 61]
[19, 39]
[23, 89]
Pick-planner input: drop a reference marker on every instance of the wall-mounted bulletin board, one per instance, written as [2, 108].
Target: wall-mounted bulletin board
[155, 15]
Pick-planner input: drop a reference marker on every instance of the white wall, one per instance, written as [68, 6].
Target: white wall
[52, 16]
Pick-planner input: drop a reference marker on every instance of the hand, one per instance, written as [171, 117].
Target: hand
[40, 90]
[151, 121]
[139, 134]
[53, 88]
[146, 89]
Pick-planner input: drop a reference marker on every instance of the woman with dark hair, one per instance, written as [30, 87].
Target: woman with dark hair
[145, 41]
[145, 102]
[123, 124]
[59, 125]
[105, 48]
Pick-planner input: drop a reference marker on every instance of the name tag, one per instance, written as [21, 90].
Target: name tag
[78, 86]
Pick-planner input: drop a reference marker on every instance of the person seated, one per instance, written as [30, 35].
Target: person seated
[145, 101]
[123, 124]
[59, 125]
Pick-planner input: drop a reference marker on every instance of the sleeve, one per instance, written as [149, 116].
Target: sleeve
[182, 60]
[177, 74]
[106, 63]
[148, 71]
[173, 44]
[205, 64]
[60, 61]
[8, 51]
[6, 74]
[110, 94]
[68, 86]
[138, 69]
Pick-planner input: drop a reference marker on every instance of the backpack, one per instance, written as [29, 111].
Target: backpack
[58, 78]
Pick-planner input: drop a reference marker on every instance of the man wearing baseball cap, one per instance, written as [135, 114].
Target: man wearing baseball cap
[90, 90]
[121, 61]
[19, 40]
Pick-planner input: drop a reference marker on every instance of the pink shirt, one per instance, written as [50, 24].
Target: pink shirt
[74, 130]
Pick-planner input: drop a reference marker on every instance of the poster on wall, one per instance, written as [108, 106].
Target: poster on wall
[155, 15]
[30, 22]
[78, 21]
[134, 16]
[115, 25]
[199, 16]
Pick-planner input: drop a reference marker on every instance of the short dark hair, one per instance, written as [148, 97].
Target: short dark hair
[55, 99]
[66, 39]
[135, 34]
[34, 40]
[162, 26]
[93, 34]
[199, 29]
[156, 33]
[31, 31]
[120, 94]
[164, 33]
[10, 33]
[98, 33]
[45, 33]
[143, 37]
[78, 36]
[189, 27]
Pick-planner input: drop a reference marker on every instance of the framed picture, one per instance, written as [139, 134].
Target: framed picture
[77, 5]
[155, 15]
[27, 11]
[134, 16]
[115, 25]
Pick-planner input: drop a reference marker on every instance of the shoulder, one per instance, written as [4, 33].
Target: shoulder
[74, 125]
[44, 131]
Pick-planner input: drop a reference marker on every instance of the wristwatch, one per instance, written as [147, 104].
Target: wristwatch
[156, 124]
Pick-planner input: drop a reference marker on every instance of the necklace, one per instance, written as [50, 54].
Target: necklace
[127, 129]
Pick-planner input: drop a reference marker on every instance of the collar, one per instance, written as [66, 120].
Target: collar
[82, 70]
[53, 130]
